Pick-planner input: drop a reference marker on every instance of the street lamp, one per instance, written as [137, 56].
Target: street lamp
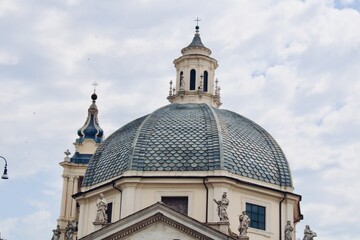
[5, 176]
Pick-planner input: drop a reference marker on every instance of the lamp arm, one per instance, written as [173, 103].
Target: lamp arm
[4, 176]
[4, 160]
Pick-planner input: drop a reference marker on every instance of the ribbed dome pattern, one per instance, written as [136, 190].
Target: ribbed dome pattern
[190, 137]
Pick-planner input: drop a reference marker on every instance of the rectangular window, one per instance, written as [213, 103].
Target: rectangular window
[109, 212]
[192, 79]
[256, 214]
[179, 204]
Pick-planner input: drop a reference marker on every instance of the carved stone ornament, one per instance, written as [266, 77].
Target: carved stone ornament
[309, 234]
[182, 83]
[70, 229]
[288, 231]
[222, 205]
[56, 233]
[244, 224]
[101, 216]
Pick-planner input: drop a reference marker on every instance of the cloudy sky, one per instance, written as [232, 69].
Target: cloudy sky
[291, 66]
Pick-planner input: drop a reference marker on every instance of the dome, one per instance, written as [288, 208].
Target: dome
[91, 128]
[190, 137]
[196, 43]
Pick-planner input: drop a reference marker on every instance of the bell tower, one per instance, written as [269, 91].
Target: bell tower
[90, 136]
[195, 75]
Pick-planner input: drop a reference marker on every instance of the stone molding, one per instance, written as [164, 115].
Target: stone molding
[153, 219]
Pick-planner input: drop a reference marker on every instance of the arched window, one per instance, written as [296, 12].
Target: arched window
[205, 81]
[192, 79]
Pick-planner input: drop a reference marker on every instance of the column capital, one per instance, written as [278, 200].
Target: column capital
[65, 176]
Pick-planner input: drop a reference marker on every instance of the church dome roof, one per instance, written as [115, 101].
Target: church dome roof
[190, 137]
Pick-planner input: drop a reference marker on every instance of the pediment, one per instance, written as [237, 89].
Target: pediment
[157, 222]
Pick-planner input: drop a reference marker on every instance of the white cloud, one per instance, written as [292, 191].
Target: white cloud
[33, 226]
[7, 226]
[7, 7]
[40, 229]
[7, 58]
[330, 214]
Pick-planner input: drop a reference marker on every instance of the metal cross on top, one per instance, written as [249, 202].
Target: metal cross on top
[95, 84]
[197, 21]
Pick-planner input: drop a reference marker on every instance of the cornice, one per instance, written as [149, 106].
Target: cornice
[158, 217]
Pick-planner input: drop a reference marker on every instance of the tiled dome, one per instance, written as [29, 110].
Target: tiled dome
[190, 137]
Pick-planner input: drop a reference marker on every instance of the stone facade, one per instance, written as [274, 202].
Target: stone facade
[142, 191]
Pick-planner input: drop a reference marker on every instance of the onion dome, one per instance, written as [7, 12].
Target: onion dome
[91, 128]
[190, 138]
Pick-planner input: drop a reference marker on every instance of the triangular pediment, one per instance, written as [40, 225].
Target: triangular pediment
[157, 222]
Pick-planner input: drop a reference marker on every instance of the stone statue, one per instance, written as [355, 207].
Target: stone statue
[101, 216]
[181, 83]
[308, 234]
[223, 203]
[69, 230]
[56, 233]
[244, 224]
[288, 231]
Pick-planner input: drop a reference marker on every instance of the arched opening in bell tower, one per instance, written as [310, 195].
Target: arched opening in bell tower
[205, 81]
[192, 79]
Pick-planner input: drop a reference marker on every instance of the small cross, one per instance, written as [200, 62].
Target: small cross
[95, 84]
[67, 153]
[197, 20]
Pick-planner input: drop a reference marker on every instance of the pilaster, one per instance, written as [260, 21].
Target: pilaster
[128, 199]
[64, 194]
[75, 190]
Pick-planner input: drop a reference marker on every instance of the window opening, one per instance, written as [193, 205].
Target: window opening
[192, 79]
[179, 204]
[205, 81]
[109, 212]
[257, 215]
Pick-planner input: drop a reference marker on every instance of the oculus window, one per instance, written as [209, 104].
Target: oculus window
[257, 216]
[179, 204]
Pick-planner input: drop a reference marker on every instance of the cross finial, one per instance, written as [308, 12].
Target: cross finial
[95, 84]
[197, 20]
